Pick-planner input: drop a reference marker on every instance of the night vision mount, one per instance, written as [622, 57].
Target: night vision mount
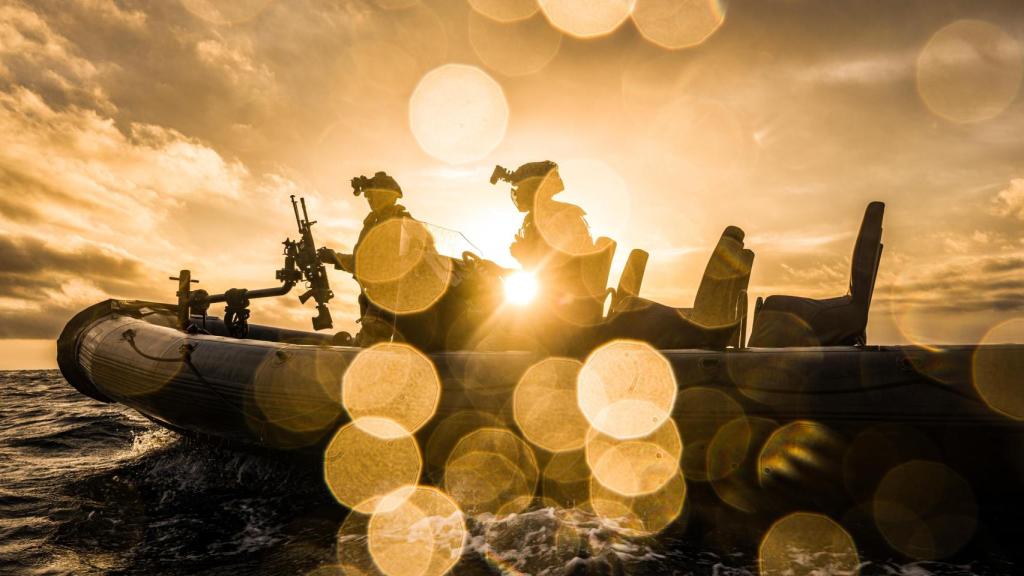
[501, 173]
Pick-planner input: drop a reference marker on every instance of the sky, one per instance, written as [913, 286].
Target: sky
[143, 137]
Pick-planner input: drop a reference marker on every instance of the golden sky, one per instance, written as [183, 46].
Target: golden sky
[141, 137]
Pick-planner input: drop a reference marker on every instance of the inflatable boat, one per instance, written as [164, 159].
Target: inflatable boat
[210, 384]
[806, 415]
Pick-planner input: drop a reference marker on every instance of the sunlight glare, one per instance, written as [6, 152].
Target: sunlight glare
[520, 288]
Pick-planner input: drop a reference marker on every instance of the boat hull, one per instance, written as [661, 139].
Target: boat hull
[281, 390]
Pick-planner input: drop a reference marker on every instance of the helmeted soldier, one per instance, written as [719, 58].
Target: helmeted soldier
[382, 193]
[554, 243]
[552, 231]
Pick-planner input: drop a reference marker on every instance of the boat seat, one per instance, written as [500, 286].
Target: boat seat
[630, 280]
[663, 327]
[787, 321]
[721, 296]
[590, 292]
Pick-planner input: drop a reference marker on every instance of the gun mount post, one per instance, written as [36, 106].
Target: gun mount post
[184, 295]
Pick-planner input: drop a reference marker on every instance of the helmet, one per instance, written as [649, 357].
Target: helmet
[525, 179]
[380, 181]
[524, 172]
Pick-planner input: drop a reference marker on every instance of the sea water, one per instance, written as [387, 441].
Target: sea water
[93, 488]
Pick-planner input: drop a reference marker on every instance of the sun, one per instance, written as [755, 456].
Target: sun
[520, 288]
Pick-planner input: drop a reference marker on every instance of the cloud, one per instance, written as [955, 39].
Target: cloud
[78, 171]
[882, 68]
[1004, 264]
[42, 284]
[33, 56]
[1009, 201]
[956, 285]
[119, 212]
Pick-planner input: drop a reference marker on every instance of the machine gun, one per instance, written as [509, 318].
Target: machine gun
[302, 262]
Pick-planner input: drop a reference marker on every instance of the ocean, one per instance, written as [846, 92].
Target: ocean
[92, 488]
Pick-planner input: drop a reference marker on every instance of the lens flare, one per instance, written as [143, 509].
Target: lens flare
[998, 368]
[391, 249]
[520, 288]
[491, 471]
[490, 385]
[643, 515]
[393, 381]
[701, 413]
[798, 448]
[732, 461]
[514, 48]
[586, 18]
[773, 378]
[635, 467]
[565, 481]
[588, 182]
[505, 10]
[417, 531]
[458, 113]
[626, 389]
[545, 406]
[447, 434]
[925, 510]
[352, 552]
[296, 388]
[969, 71]
[879, 449]
[361, 467]
[676, 24]
[399, 267]
[417, 291]
[156, 375]
[805, 543]
[666, 437]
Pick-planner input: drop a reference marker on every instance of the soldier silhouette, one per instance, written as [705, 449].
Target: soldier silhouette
[382, 193]
[553, 240]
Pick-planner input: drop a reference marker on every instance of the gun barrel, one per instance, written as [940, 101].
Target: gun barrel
[295, 209]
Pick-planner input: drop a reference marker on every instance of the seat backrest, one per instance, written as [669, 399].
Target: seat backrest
[866, 255]
[727, 273]
[597, 266]
[631, 279]
[594, 270]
